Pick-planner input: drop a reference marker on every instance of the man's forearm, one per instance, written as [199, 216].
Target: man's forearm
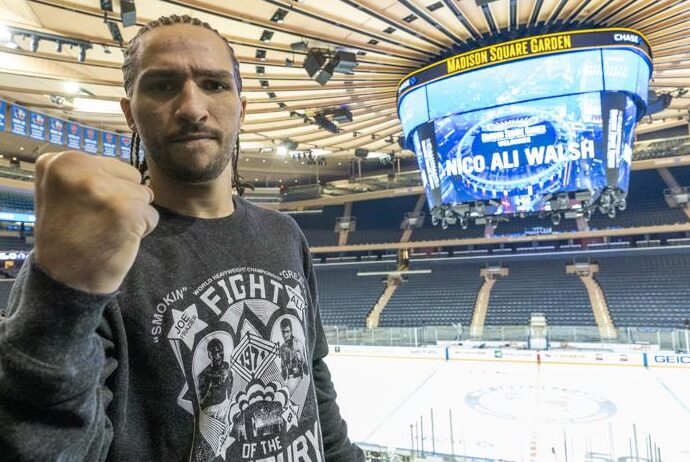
[50, 364]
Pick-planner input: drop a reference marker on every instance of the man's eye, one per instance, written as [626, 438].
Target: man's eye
[215, 86]
[162, 86]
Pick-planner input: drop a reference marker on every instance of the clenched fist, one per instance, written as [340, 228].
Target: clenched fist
[91, 214]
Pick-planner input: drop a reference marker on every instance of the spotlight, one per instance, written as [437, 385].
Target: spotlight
[622, 204]
[33, 43]
[326, 73]
[299, 46]
[342, 115]
[58, 47]
[326, 124]
[612, 213]
[82, 54]
[344, 62]
[314, 61]
[128, 13]
[115, 32]
[556, 218]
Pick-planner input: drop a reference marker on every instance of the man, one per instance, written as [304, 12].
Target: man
[110, 316]
[215, 381]
[293, 364]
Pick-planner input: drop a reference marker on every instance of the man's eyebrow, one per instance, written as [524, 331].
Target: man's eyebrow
[171, 73]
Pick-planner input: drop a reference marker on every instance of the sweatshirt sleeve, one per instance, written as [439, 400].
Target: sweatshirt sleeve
[337, 445]
[52, 368]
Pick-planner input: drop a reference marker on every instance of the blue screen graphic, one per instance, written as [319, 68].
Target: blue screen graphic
[520, 152]
[578, 72]
[520, 131]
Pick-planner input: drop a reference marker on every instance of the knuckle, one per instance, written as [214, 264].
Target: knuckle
[85, 186]
[118, 205]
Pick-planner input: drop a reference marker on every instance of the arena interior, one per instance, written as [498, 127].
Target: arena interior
[591, 277]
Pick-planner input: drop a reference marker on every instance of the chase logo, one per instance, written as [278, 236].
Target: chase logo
[407, 83]
[630, 38]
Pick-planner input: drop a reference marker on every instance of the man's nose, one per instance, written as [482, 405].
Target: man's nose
[191, 104]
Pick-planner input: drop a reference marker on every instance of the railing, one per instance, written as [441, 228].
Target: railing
[664, 338]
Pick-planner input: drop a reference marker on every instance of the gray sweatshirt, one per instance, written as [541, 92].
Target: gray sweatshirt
[211, 350]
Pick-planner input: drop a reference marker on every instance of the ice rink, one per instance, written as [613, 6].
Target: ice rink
[516, 412]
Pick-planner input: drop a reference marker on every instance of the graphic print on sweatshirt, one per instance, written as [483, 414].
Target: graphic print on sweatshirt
[239, 339]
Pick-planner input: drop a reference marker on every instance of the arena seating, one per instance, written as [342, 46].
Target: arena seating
[379, 220]
[7, 243]
[345, 298]
[16, 202]
[646, 205]
[445, 296]
[682, 175]
[319, 227]
[648, 291]
[5, 288]
[662, 148]
[539, 287]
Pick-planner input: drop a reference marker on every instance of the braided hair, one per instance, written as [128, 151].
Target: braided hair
[129, 66]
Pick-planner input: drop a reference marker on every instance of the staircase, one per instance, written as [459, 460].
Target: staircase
[375, 313]
[600, 309]
[481, 306]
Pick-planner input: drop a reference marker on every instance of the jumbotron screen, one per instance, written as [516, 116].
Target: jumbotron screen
[517, 122]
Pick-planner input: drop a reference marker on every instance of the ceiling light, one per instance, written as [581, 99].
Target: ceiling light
[71, 87]
[5, 35]
[266, 36]
[279, 16]
[97, 106]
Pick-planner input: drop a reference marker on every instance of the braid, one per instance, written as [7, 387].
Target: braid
[134, 161]
[237, 181]
[129, 67]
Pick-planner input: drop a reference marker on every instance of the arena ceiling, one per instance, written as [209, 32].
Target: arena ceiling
[390, 37]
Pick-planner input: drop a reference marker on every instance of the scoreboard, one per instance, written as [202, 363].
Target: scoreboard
[518, 122]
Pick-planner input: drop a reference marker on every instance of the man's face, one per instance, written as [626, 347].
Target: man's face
[215, 354]
[287, 333]
[185, 104]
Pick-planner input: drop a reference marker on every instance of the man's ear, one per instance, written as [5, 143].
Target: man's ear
[243, 102]
[126, 106]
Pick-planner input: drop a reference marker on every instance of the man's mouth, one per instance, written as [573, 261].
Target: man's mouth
[193, 137]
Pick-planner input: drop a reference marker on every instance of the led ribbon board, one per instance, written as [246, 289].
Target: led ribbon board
[518, 121]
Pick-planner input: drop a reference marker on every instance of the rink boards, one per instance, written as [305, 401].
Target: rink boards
[632, 358]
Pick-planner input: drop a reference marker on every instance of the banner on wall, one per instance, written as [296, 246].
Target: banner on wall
[109, 144]
[56, 131]
[3, 108]
[125, 147]
[90, 136]
[18, 118]
[73, 136]
[37, 126]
